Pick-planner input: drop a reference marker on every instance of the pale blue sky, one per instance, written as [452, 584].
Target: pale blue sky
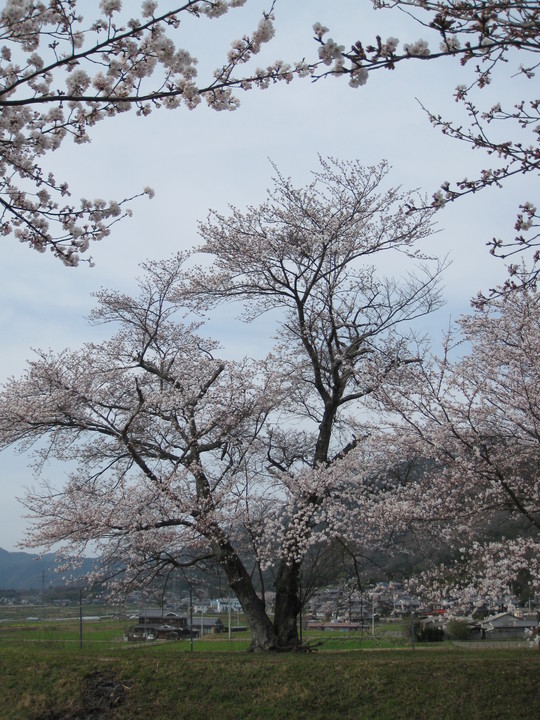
[203, 159]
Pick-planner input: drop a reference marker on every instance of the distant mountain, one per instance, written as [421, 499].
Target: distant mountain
[24, 571]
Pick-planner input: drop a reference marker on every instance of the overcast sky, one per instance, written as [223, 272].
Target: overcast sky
[203, 159]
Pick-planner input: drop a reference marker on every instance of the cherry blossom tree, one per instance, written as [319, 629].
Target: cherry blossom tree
[487, 39]
[60, 75]
[475, 422]
[176, 456]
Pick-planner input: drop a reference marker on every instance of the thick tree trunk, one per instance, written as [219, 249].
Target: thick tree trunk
[282, 634]
[262, 630]
[287, 606]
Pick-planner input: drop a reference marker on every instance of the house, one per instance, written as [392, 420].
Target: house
[222, 605]
[160, 617]
[506, 626]
[207, 626]
[340, 626]
[157, 632]
[201, 607]
[159, 625]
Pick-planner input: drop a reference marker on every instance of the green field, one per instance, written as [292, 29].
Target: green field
[45, 675]
[108, 634]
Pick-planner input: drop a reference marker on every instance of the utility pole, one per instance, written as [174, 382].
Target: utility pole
[80, 617]
[191, 616]
[300, 611]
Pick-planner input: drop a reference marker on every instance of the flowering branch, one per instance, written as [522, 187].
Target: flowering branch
[482, 36]
[59, 77]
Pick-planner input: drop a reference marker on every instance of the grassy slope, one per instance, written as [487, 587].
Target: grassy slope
[42, 682]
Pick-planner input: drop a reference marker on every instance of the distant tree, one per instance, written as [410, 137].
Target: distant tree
[477, 419]
[487, 37]
[181, 457]
[60, 75]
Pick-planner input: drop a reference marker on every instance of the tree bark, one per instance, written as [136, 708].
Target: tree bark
[287, 606]
[262, 630]
[282, 634]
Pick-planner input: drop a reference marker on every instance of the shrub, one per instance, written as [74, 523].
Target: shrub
[458, 630]
[427, 632]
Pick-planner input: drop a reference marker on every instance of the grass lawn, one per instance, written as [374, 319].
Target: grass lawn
[41, 681]
[109, 634]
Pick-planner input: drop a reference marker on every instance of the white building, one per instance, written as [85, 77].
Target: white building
[222, 605]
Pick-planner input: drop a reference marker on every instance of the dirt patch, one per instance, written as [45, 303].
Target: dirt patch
[102, 693]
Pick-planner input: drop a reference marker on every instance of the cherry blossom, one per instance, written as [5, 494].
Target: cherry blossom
[474, 422]
[176, 456]
[60, 75]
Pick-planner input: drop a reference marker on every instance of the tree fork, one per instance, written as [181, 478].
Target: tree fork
[262, 630]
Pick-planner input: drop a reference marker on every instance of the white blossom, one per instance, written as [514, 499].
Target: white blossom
[358, 77]
[451, 43]
[148, 8]
[330, 51]
[77, 82]
[391, 45]
[420, 47]
[319, 30]
[108, 7]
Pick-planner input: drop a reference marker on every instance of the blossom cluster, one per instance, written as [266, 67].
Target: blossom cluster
[59, 77]
[475, 424]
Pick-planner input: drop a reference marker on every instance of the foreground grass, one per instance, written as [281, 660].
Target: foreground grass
[42, 683]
